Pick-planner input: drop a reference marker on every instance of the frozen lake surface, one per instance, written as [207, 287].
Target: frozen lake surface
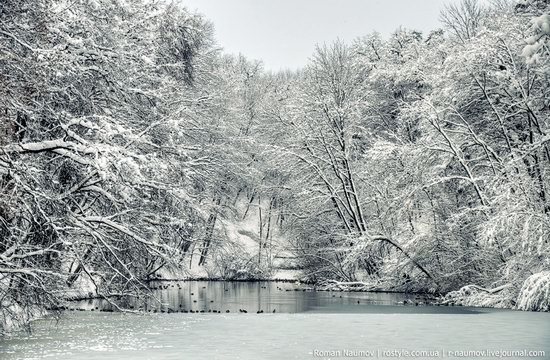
[305, 325]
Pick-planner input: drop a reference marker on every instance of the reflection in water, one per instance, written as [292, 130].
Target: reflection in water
[267, 297]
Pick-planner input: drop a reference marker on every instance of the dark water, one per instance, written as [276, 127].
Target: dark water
[305, 324]
[268, 296]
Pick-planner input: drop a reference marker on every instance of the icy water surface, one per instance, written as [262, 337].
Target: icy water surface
[306, 325]
[257, 296]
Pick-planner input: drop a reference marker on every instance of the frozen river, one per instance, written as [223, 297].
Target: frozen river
[305, 325]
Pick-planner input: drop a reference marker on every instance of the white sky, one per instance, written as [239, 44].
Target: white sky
[283, 33]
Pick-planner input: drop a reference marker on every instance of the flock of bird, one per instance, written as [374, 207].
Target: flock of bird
[165, 287]
[215, 311]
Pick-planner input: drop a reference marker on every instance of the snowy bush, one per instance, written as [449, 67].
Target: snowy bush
[535, 293]
[239, 266]
[473, 295]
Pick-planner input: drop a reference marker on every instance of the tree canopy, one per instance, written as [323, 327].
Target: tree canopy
[131, 145]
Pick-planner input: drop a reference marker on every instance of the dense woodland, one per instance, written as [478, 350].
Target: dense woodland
[410, 162]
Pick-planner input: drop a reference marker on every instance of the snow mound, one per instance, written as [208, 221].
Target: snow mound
[535, 293]
[477, 296]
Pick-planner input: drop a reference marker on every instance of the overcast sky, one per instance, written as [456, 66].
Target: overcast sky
[283, 33]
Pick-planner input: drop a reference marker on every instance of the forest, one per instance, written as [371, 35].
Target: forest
[132, 147]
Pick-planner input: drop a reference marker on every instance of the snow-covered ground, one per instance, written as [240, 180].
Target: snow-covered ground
[92, 335]
[241, 238]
